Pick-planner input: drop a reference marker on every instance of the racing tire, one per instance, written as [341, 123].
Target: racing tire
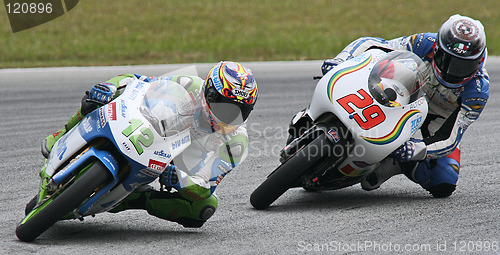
[30, 205]
[288, 173]
[82, 188]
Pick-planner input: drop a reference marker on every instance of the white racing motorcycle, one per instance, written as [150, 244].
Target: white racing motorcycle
[112, 151]
[360, 112]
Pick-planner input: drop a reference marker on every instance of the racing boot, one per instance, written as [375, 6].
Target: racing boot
[169, 206]
[388, 168]
[50, 140]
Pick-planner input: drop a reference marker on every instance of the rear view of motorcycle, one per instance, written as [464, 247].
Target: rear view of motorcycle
[360, 112]
[110, 153]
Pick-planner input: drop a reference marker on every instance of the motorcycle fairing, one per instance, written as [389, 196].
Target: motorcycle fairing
[376, 128]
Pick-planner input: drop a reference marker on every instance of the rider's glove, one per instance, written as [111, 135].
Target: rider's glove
[413, 149]
[99, 95]
[102, 93]
[172, 177]
[329, 64]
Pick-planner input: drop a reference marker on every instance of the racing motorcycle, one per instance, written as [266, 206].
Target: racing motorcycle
[115, 149]
[360, 112]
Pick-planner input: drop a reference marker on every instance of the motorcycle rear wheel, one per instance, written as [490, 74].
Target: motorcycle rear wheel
[38, 221]
[288, 173]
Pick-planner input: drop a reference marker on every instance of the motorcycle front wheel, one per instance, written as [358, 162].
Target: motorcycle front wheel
[288, 173]
[42, 217]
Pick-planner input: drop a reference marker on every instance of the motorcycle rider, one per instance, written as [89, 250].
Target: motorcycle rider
[223, 103]
[457, 94]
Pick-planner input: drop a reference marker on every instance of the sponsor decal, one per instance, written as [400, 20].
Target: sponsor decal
[139, 85]
[102, 117]
[334, 135]
[480, 99]
[157, 165]
[126, 146]
[149, 172]
[223, 169]
[460, 48]
[219, 179]
[472, 115]
[216, 81]
[415, 124]
[191, 194]
[417, 103]
[162, 154]
[123, 108]
[181, 142]
[61, 150]
[112, 111]
[87, 128]
[135, 92]
[240, 93]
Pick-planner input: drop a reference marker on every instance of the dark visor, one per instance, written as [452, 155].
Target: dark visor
[227, 110]
[454, 69]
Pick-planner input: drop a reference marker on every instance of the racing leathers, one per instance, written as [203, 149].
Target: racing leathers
[198, 169]
[451, 112]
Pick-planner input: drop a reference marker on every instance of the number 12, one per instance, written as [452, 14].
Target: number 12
[139, 140]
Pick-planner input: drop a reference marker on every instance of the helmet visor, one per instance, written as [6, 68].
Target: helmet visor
[229, 113]
[454, 69]
[227, 110]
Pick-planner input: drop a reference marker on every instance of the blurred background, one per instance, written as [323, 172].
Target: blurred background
[138, 32]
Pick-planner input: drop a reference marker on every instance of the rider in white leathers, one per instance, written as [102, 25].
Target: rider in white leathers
[458, 93]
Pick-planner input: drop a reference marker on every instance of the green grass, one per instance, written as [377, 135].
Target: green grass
[132, 32]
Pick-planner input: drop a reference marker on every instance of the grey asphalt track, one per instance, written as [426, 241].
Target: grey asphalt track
[398, 218]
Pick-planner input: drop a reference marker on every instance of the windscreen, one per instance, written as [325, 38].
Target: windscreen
[168, 107]
[397, 79]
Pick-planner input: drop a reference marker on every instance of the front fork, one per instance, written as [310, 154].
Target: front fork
[52, 185]
[338, 136]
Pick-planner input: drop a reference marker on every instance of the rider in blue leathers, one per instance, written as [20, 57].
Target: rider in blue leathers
[458, 93]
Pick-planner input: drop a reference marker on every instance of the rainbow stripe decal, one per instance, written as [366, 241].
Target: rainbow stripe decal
[343, 72]
[394, 134]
